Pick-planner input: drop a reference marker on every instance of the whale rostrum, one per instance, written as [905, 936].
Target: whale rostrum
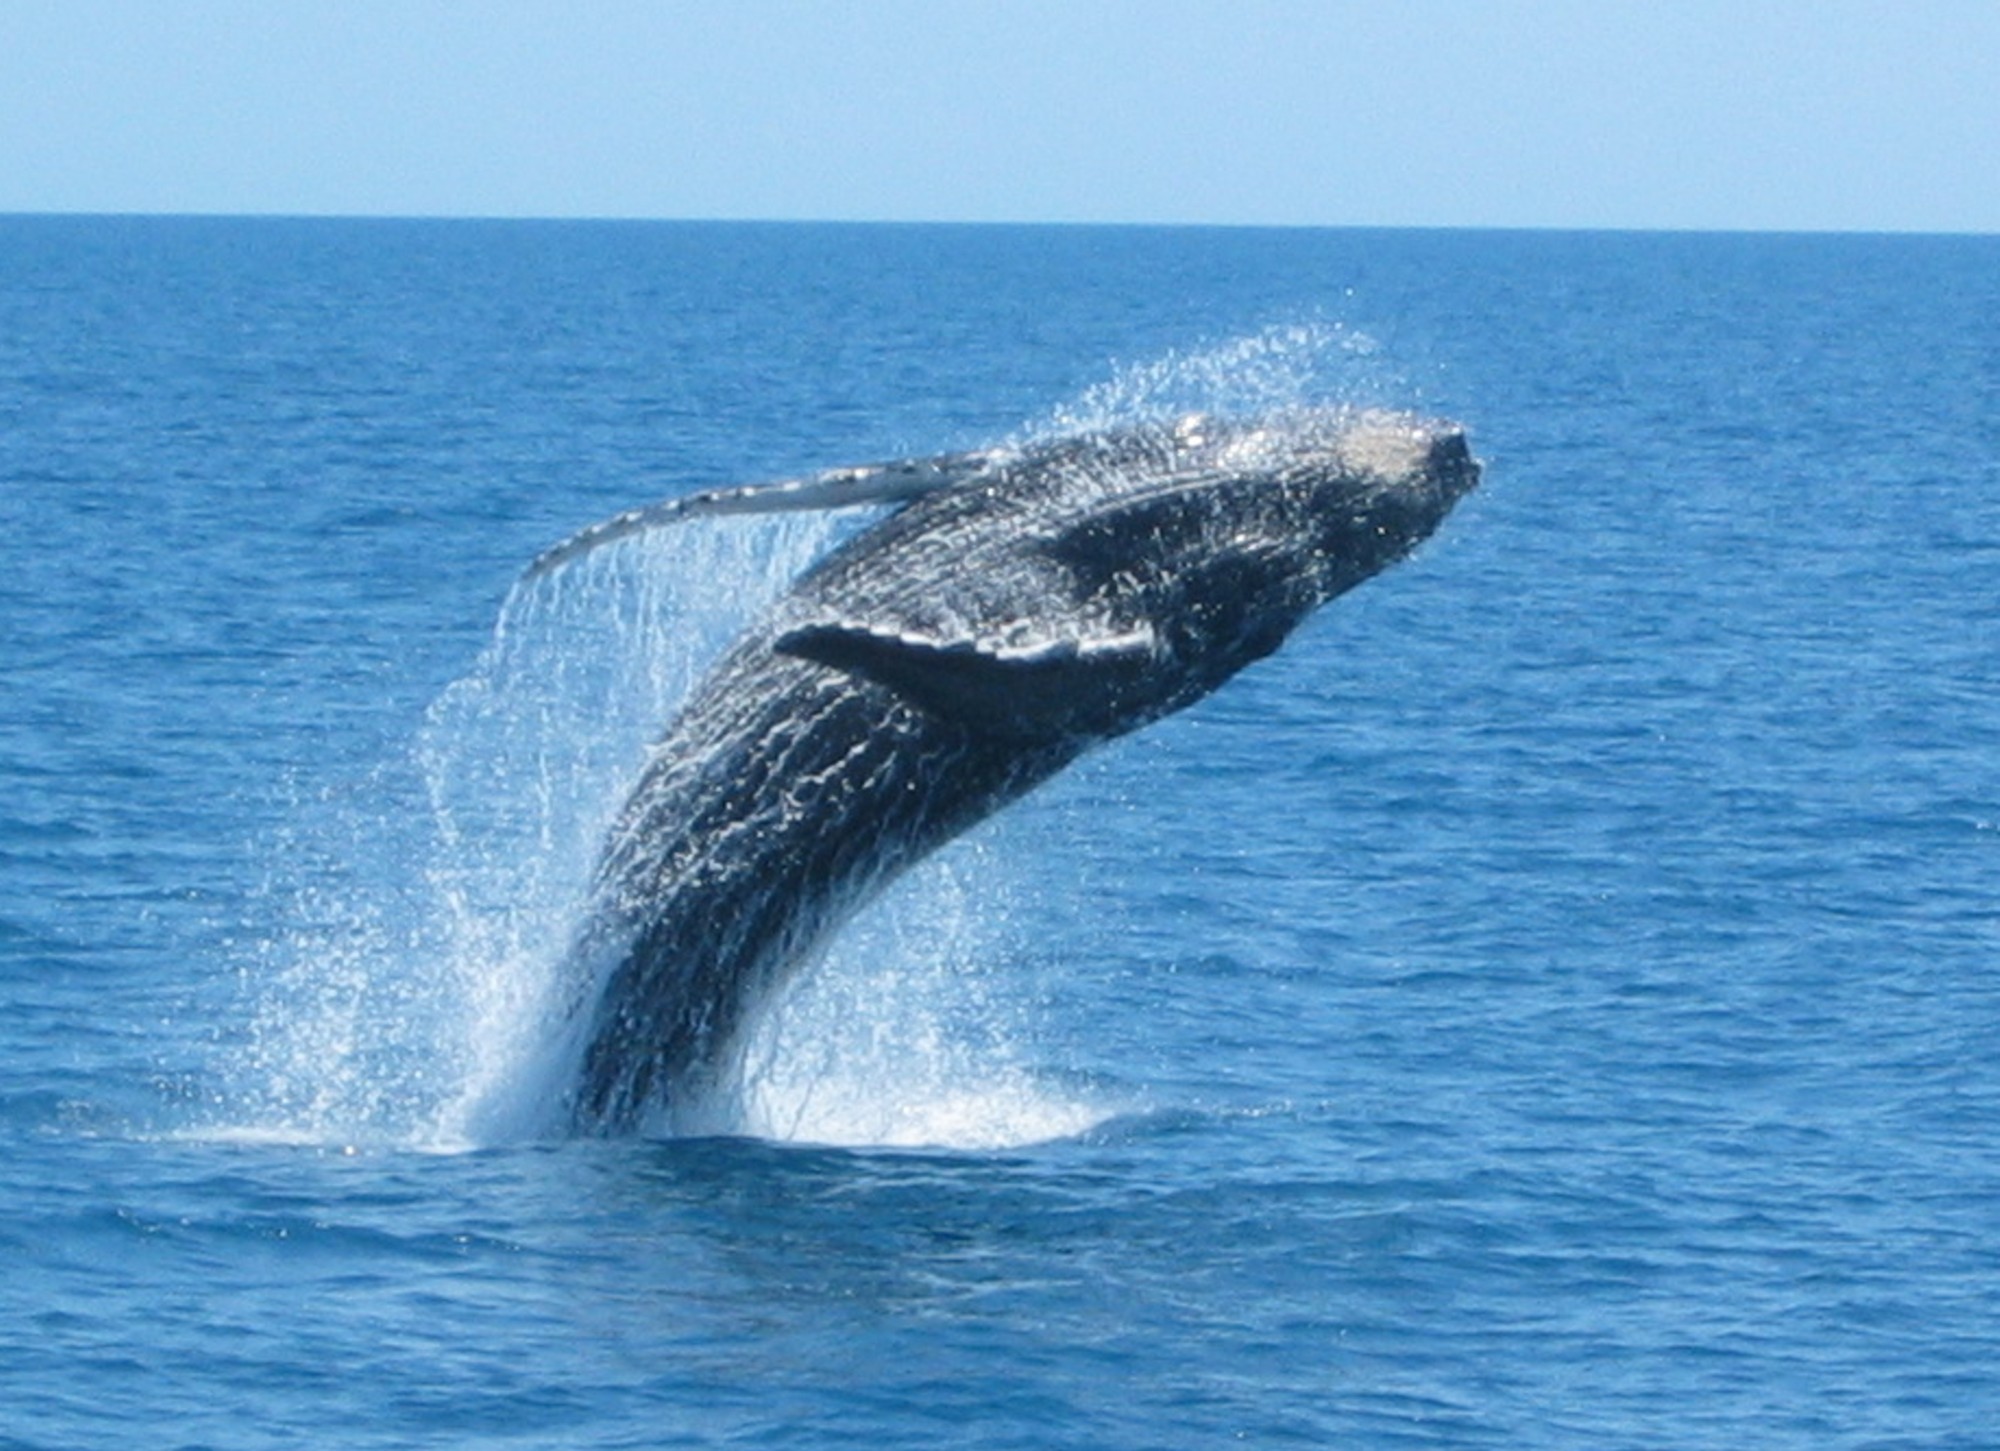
[1019, 605]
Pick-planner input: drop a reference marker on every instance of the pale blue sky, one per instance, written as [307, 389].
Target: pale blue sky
[1806, 114]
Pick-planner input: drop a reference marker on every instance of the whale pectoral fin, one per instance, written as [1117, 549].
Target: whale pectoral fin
[620, 526]
[1057, 686]
[893, 482]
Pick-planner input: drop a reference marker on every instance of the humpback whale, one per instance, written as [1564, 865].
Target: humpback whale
[1017, 606]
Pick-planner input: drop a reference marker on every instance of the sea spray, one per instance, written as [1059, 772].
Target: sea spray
[421, 995]
[903, 1034]
[1316, 364]
[527, 761]
[413, 992]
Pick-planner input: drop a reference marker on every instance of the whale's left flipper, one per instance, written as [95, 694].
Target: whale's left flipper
[893, 482]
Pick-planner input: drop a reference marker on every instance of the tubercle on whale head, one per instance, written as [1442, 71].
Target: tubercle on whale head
[1384, 486]
[1357, 452]
[1405, 452]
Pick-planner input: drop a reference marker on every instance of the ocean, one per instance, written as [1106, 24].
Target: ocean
[1554, 1002]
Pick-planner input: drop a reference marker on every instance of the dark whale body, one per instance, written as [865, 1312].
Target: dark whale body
[1020, 606]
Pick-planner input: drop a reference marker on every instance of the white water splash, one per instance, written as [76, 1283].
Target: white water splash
[528, 759]
[418, 997]
[412, 995]
[900, 1035]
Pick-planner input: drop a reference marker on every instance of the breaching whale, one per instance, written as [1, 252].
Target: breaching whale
[1020, 605]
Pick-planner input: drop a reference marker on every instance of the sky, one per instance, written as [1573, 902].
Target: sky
[1685, 114]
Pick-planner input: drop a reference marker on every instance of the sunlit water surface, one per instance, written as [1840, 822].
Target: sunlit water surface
[1550, 1004]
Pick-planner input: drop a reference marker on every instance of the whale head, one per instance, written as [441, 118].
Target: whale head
[1377, 489]
[1317, 500]
[1232, 531]
[1088, 587]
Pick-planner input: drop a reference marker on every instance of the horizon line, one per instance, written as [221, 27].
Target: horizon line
[642, 219]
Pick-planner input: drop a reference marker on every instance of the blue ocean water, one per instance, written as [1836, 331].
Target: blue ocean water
[1552, 1003]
